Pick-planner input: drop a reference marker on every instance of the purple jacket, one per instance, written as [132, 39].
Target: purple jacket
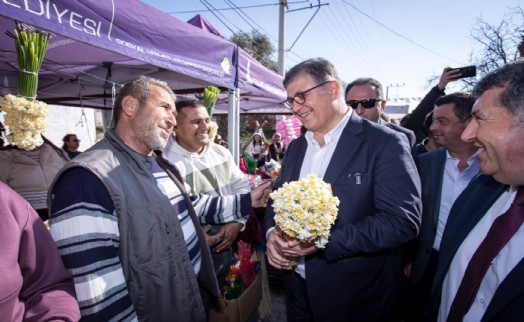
[34, 284]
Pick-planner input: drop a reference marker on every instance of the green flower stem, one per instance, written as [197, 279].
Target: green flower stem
[30, 49]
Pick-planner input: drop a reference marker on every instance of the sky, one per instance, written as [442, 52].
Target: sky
[402, 43]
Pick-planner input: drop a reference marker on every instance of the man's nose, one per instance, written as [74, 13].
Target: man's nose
[469, 131]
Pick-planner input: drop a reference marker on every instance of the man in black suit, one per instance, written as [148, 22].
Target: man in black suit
[370, 169]
[444, 173]
[469, 285]
[366, 97]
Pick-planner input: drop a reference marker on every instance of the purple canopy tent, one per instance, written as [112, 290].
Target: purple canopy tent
[202, 23]
[97, 45]
[253, 78]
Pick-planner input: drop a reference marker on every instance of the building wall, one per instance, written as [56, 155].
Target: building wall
[62, 120]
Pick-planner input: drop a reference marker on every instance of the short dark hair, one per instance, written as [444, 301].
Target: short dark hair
[139, 88]
[463, 104]
[511, 78]
[320, 69]
[367, 81]
[187, 102]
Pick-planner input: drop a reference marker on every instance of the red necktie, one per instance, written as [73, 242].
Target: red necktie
[501, 231]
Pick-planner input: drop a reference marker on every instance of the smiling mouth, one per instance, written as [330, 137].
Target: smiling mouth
[304, 114]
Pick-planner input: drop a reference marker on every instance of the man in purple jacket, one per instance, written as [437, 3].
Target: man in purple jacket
[34, 284]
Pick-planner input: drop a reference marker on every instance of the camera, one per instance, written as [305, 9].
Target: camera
[468, 71]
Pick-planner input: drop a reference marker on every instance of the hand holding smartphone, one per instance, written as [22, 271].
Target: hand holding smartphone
[467, 71]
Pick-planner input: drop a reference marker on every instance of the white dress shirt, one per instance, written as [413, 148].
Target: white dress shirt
[453, 183]
[317, 159]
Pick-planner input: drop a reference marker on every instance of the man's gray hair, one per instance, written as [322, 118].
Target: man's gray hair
[139, 88]
[320, 69]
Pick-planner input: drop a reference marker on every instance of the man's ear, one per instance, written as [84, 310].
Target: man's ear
[382, 105]
[130, 105]
[334, 89]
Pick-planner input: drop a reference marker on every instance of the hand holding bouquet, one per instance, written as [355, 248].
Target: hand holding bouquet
[305, 210]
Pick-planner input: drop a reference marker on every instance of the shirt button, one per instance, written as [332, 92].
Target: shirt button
[481, 301]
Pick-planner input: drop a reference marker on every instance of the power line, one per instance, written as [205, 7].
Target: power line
[398, 34]
[207, 5]
[240, 13]
[223, 9]
[244, 7]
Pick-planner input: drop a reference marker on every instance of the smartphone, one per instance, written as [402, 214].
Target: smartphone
[468, 71]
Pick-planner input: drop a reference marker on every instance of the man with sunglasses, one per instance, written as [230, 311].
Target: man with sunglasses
[370, 169]
[366, 97]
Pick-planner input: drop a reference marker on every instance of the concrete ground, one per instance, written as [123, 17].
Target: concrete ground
[278, 299]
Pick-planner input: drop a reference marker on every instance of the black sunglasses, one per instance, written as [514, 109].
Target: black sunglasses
[367, 103]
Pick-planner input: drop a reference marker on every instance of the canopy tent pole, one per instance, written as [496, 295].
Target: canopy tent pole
[233, 124]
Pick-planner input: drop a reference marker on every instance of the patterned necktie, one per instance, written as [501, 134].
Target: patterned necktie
[501, 231]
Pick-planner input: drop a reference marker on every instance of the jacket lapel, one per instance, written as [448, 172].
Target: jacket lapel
[347, 145]
[437, 175]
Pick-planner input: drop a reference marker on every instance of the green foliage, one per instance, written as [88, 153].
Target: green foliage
[257, 45]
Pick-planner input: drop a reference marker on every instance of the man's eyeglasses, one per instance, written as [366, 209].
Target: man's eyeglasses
[300, 97]
[76, 140]
[367, 103]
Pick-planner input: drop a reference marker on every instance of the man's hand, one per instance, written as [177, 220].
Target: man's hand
[280, 252]
[214, 240]
[448, 75]
[260, 195]
[229, 232]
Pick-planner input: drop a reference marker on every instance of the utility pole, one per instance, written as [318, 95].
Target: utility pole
[281, 35]
[391, 85]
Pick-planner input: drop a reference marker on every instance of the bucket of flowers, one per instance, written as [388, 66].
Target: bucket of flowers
[242, 289]
[25, 115]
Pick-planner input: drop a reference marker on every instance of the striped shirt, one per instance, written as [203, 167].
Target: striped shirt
[84, 225]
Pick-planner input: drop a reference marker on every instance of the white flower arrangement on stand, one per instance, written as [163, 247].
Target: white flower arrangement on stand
[24, 115]
[25, 119]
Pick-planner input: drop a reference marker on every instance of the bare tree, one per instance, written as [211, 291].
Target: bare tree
[497, 44]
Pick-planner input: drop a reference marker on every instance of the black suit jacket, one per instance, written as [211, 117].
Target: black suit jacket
[431, 170]
[356, 277]
[410, 135]
[508, 301]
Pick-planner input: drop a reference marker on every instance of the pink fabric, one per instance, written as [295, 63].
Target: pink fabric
[34, 284]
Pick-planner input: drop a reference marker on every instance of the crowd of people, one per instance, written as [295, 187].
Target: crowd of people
[142, 223]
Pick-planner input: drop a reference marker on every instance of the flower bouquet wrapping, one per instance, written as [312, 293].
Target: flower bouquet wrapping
[272, 168]
[305, 210]
[25, 116]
